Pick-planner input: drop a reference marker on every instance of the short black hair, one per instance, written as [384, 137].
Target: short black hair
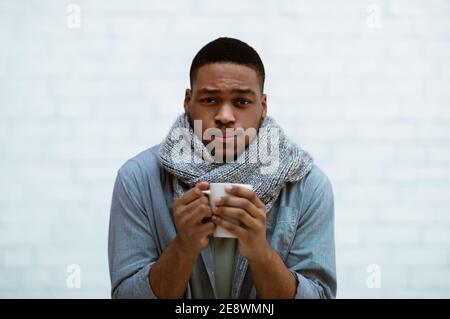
[228, 50]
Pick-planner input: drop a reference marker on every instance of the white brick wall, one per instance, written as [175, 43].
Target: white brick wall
[371, 104]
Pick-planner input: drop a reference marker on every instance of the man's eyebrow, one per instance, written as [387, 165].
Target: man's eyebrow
[243, 90]
[208, 91]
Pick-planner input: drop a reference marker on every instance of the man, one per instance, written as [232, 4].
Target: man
[160, 243]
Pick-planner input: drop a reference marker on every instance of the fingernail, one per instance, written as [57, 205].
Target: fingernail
[218, 201]
[228, 188]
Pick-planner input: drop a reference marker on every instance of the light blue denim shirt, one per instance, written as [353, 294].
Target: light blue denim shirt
[300, 228]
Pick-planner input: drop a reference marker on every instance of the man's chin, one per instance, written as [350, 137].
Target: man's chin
[223, 156]
[224, 152]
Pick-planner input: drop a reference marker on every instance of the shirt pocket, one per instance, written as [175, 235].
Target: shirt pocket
[282, 229]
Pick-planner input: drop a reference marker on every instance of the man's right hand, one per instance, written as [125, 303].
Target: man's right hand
[190, 212]
[170, 275]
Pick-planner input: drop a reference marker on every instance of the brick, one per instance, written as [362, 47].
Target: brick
[18, 257]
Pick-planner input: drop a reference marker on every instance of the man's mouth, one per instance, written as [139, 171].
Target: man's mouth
[227, 136]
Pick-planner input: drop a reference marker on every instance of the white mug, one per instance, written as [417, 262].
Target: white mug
[217, 190]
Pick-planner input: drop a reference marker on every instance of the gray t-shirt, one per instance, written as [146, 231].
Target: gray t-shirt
[224, 250]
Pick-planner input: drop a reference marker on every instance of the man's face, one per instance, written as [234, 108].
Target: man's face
[226, 95]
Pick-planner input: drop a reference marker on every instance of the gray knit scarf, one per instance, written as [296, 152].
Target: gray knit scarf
[185, 156]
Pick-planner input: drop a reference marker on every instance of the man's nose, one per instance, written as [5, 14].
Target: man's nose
[225, 114]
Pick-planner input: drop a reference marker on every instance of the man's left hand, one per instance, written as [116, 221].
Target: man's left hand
[244, 206]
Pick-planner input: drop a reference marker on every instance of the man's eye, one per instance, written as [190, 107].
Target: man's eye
[209, 100]
[243, 102]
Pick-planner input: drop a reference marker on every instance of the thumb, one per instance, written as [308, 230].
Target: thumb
[202, 185]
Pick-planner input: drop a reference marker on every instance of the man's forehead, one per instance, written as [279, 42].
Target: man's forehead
[226, 89]
[227, 72]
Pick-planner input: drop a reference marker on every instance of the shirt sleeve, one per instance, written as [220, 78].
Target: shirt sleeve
[313, 246]
[131, 247]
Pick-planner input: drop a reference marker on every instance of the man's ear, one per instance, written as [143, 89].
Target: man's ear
[187, 100]
[264, 105]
